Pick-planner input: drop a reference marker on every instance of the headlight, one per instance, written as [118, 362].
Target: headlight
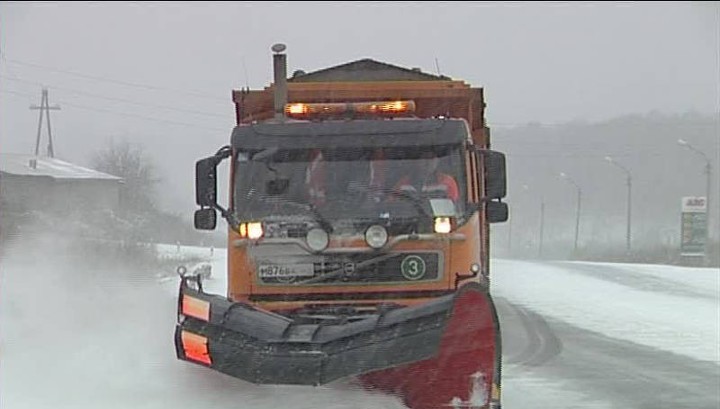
[442, 225]
[376, 236]
[254, 230]
[317, 239]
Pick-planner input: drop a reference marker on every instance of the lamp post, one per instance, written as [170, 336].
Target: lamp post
[628, 175]
[708, 185]
[577, 209]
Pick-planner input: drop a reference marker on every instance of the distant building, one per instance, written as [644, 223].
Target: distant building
[49, 185]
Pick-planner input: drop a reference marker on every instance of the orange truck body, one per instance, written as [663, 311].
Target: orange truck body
[435, 341]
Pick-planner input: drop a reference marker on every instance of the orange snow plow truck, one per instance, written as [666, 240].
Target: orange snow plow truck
[358, 241]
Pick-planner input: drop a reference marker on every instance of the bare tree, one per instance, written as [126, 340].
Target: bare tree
[129, 162]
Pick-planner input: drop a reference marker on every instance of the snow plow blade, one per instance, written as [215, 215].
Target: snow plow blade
[266, 348]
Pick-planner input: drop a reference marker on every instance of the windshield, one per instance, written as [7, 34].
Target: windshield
[335, 184]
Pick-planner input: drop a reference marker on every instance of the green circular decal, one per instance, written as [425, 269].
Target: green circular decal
[413, 267]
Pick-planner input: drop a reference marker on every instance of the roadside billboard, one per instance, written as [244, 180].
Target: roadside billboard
[694, 226]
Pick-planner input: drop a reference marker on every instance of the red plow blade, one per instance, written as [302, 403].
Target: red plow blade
[465, 372]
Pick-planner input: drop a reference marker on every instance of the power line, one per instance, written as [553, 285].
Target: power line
[127, 101]
[144, 117]
[24, 94]
[121, 113]
[114, 81]
[633, 152]
[639, 152]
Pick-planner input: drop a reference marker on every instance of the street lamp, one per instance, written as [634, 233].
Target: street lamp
[628, 234]
[708, 173]
[577, 210]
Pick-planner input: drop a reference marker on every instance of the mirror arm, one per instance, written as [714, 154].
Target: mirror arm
[222, 154]
[230, 217]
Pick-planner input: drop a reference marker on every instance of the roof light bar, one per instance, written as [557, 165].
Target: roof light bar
[301, 110]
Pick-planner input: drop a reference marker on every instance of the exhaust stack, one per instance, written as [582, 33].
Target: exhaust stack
[280, 72]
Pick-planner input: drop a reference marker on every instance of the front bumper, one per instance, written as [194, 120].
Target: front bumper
[266, 348]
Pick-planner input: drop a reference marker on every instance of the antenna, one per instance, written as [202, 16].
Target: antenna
[437, 67]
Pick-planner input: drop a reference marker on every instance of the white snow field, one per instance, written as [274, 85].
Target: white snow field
[674, 309]
[78, 333]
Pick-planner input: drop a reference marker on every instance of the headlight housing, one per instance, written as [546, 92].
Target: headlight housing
[376, 236]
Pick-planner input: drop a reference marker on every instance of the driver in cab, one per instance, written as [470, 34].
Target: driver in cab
[427, 179]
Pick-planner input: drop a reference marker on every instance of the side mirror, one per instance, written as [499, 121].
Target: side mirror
[205, 219]
[497, 212]
[206, 182]
[495, 182]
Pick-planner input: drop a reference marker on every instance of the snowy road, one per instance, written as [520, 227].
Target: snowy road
[550, 364]
[590, 335]
[77, 334]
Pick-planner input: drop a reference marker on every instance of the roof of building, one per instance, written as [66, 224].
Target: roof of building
[366, 70]
[21, 165]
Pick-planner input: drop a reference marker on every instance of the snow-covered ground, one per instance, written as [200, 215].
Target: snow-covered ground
[76, 333]
[674, 309]
[195, 256]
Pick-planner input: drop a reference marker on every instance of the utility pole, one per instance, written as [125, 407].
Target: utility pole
[542, 227]
[577, 208]
[628, 180]
[44, 108]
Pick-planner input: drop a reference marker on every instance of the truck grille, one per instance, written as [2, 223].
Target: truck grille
[352, 269]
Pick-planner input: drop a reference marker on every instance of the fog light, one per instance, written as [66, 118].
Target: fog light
[317, 239]
[376, 236]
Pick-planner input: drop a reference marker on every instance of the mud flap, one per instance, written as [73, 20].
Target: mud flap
[265, 348]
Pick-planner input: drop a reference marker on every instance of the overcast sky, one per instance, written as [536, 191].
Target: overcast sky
[160, 74]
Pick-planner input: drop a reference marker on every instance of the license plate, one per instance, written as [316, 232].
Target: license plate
[286, 270]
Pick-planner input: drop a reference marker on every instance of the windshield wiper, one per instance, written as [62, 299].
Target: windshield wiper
[415, 200]
[341, 270]
[324, 223]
